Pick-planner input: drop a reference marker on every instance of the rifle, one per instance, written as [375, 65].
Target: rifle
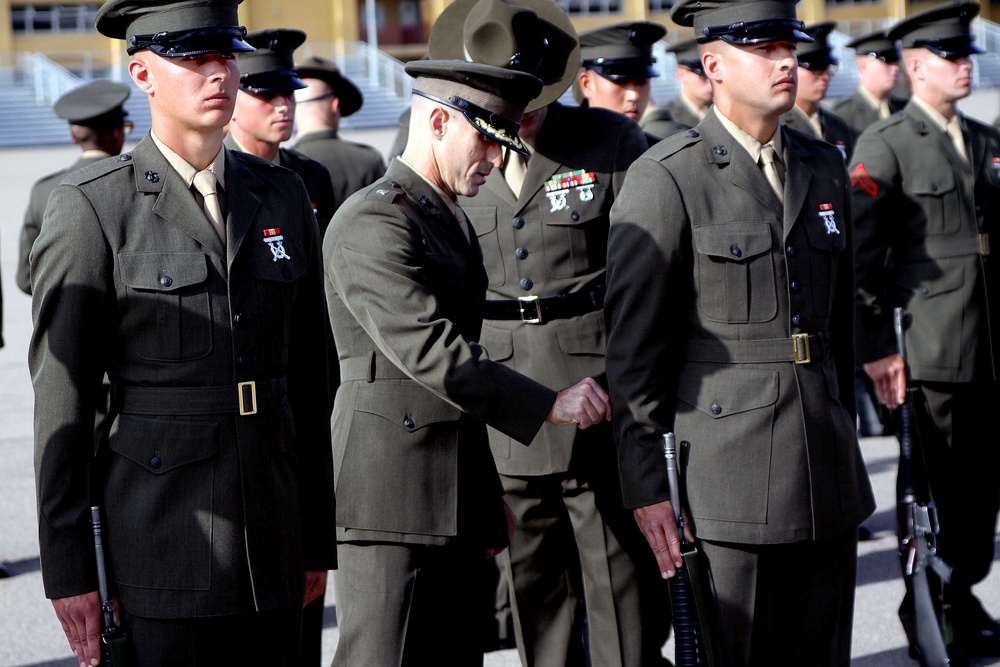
[917, 525]
[692, 630]
[114, 644]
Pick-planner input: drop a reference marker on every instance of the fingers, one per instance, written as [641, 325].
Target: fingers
[584, 404]
[80, 617]
[315, 585]
[657, 524]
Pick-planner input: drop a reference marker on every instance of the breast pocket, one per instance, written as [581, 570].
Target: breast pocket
[484, 221]
[276, 280]
[575, 230]
[826, 242]
[736, 282]
[169, 307]
[937, 193]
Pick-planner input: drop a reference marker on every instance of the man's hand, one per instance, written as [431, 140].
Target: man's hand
[80, 616]
[511, 522]
[889, 377]
[657, 523]
[315, 585]
[583, 404]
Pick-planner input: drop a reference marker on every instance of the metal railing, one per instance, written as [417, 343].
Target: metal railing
[360, 59]
[48, 79]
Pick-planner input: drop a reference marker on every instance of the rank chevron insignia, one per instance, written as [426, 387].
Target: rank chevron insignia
[860, 178]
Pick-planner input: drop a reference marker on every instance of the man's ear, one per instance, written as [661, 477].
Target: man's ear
[711, 63]
[586, 81]
[139, 71]
[439, 122]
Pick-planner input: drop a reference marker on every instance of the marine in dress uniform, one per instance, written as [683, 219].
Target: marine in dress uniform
[817, 65]
[574, 546]
[265, 113]
[718, 276]
[419, 500]
[328, 97]
[926, 195]
[693, 100]
[263, 118]
[877, 58]
[97, 123]
[215, 473]
[617, 64]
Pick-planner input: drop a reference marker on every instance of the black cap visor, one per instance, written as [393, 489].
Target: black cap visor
[817, 61]
[888, 56]
[194, 42]
[622, 69]
[757, 32]
[950, 48]
[493, 126]
[693, 65]
[272, 83]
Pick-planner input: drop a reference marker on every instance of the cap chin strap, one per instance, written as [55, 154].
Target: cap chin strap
[171, 44]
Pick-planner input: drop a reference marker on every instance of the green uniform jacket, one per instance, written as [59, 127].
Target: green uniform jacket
[352, 166]
[858, 114]
[545, 244]
[835, 130]
[920, 208]
[405, 290]
[206, 512]
[40, 192]
[668, 120]
[707, 283]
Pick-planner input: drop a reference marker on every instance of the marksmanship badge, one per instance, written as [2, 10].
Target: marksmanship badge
[273, 238]
[826, 215]
[558, 187]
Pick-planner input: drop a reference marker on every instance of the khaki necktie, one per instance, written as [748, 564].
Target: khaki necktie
[954, 130]
[883, 110]
[514, 171]
[205, 183]
[773, 170]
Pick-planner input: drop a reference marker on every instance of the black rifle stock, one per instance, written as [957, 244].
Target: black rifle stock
[114, 645]
[692, 637]
[917, 527]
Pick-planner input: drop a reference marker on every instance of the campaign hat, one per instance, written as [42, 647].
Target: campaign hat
[491, 98]
[818, 54]
[95, 104]
[876, 45]
[270, 69]
[943, 30]
[687, 55]
[174, 28]
[327, 71]
[741, 22]
[621, 51]
[532, 36]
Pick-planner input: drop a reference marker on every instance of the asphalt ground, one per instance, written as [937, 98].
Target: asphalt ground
[30, 635]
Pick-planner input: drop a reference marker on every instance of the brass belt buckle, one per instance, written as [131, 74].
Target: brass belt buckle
[529, 302]
[800, 348]
[983, 242]
[247, 392]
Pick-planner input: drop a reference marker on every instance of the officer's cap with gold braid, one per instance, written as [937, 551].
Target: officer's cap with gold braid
[271, 68]
[687, 55]
[876, 45]
[741, 22]
[622, 51]
[491, 98]
[174, 29]
[533, 36]
[943, 30]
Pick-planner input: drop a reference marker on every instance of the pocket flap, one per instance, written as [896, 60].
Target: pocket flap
[482, 218]
[404, 403]
[584, 336]
[726, 392]
[161, 445]
[499, 343]
[932, 182]
[733, 241]
[163, 271]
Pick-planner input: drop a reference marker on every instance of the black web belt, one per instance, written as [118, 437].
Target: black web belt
[541, 309]
[245, 398]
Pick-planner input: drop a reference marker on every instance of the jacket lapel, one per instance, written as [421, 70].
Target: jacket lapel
[241, 185]
[175, 203]
[797, 179]
[744, 173]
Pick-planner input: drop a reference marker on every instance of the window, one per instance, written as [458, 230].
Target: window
[28, 19]
[585, 7]
[661, 5]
